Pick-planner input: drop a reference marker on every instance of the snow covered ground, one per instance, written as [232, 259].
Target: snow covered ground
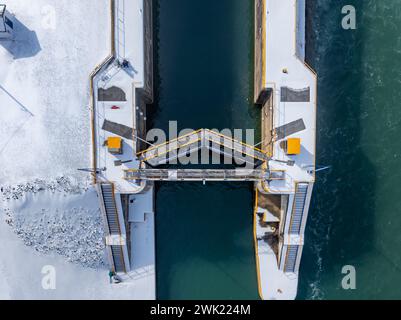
[55, 223]
[44, 87]
[49, 215]
[57, 217]
[22, 277]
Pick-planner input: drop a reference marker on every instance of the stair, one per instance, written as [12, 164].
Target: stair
[118, 258]
[109, 210]
[298, 208]
[293, 240]
[291, 259]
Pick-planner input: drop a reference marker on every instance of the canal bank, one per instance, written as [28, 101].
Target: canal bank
[204, 79]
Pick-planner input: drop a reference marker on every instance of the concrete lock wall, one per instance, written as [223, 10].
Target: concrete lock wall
[144, 96]
[259, 68]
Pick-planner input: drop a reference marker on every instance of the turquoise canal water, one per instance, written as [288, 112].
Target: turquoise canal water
[204, 80]
[356, 210]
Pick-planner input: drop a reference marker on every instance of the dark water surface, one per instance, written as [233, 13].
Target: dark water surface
[204, 79]
[356, 211]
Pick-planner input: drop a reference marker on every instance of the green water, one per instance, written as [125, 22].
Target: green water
[356, 211]
[204, 79]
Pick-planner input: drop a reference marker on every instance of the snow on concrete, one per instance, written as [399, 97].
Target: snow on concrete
[124, 116]
[285, 25]
[44, 87]
[274, 283]
[143, 255]
[129, 43]
[281, 49]
[143, 262]
[130, 36]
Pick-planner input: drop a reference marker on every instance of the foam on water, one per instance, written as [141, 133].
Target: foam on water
[356, 204]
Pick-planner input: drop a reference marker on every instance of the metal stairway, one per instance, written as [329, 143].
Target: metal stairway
[110, 208]
[298, 208]
[196, 140]
[110, 213]
[291, 258]
[118, 258]
[292, 248]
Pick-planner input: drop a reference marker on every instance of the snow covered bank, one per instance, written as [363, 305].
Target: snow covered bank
[54, 224]
[57, 217]
[21, 275]
[45, 133]
[58, 224]
[44, 87]
[60, 220]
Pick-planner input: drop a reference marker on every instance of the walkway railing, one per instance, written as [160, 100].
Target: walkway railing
[196, 175]
[196, 140]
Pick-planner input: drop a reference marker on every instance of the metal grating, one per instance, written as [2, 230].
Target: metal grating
[291, 259]
[298, 208]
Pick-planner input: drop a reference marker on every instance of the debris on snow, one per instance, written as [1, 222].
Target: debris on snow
[59, 217]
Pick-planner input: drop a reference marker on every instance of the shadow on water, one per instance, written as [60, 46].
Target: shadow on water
[25, 43]
[341, 224]
[203, 44]
[203, 59]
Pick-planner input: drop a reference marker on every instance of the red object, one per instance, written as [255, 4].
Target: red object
[115, 108]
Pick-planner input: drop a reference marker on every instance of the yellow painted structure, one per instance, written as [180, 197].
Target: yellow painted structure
[293, 146]
[115, 145]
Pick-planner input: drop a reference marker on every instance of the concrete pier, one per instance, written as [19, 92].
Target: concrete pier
[259, 54]
[287, 93]
[122, 87]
